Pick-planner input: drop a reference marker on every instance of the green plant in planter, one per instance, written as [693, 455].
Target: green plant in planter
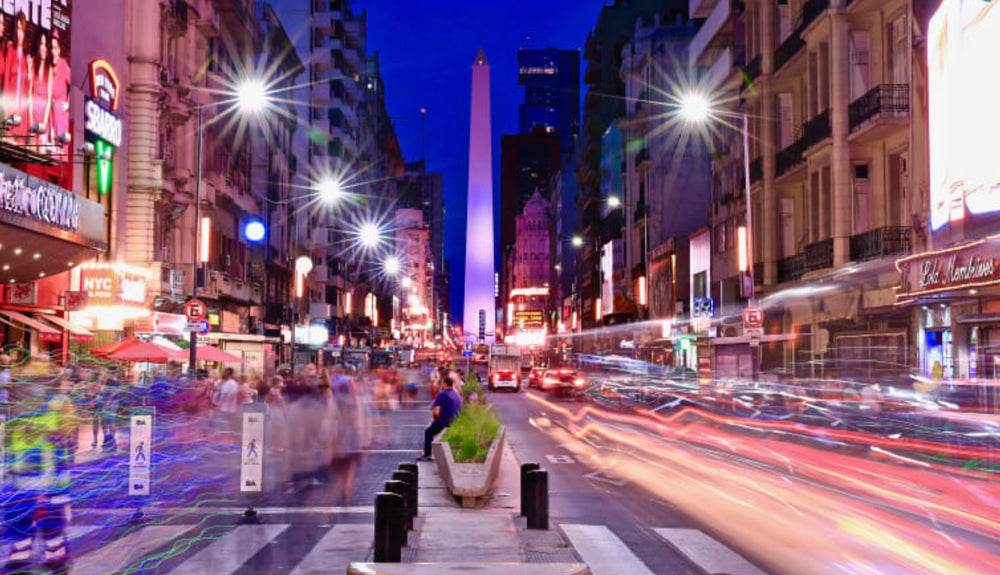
[472, 391]
[472, 433]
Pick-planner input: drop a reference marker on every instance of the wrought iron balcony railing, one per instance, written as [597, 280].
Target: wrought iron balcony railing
[819, 255]
[882, 101]
[791, 268]
[887, 241]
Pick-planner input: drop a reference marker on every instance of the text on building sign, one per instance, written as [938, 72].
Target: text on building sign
[44, 203]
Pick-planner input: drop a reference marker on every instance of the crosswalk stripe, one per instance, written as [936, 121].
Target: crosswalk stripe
[603, 551]
[707, 553]
[117, 555]
[229, 552]
[345, 543]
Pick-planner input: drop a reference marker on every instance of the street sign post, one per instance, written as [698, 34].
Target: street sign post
[252, 460]
[467, 350]
[753, 317]
[195, 310]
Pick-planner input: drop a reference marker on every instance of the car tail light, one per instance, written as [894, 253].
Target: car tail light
[578, 382]
[551, 381]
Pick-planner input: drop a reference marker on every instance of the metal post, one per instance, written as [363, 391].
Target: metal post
[403, 490]
[411, 485]
[746, 176]
[538, 518]
[525, 469]
[415, 470]
[388, 531]
[193, 358]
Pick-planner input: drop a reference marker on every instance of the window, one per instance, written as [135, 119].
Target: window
[897, 51]
[860, 66]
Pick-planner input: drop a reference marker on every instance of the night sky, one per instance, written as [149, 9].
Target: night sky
[426, 51]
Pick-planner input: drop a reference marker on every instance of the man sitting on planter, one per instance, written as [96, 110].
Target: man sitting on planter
[447, 405]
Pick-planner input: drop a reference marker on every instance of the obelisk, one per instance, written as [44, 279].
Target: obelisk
[479, 317]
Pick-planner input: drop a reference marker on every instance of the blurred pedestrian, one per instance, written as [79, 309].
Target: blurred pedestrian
[246, 391]
[227, 400]
[350, 440]
[446, 407]
[107, 405]
[5, 377]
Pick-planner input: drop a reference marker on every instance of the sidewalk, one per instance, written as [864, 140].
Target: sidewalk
[488, 540]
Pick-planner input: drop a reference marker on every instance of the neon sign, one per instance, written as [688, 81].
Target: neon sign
[104, 85]
[964, 266]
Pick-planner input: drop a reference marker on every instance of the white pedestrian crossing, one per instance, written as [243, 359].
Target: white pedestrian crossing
[230, 551]
[337, 549]
[707, 553]
[603, 551]
[121, 553]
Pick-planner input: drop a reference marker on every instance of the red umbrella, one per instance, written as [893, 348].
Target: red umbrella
[209, 353]
[115, 346]
[145, 351]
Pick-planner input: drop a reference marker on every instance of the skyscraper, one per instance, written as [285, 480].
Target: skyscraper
[551, 80]
[479, 312]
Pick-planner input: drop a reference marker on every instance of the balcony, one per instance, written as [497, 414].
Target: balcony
[715, 32]
[883, 104]
[752, 69]
[812, 10]
[813, 132]
[880, 242]
[819, 255]
[788, 49]
[791, 268]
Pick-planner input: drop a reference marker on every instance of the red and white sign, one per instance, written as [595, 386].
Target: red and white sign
[195, 310]
[24, 293]
[162, 323]
[753, 316]
[76, 300]
[104, 84]
[113, 286]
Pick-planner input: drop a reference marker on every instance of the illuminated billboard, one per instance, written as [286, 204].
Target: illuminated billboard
[963, 89]
[35, 73]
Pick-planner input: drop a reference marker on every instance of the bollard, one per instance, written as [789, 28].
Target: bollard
[415, 470]
[403, 490]
[411, 483]
[525, 468]
[388, 528]
[538, 481]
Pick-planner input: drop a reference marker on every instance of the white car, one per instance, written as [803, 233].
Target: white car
[508, 379]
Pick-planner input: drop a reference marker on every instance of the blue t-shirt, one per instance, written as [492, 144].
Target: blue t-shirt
[451, 406]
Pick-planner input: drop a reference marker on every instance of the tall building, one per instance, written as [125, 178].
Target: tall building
[531, 267]
[419, 189]
[527, 163]
[551, 80]
[479, 311]
[603, 103]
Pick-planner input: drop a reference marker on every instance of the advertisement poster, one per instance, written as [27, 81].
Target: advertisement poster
[140, 452]
[35, 46]
[252, 456]
[964, 117]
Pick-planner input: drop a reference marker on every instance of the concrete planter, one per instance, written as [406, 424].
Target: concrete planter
[469, 482]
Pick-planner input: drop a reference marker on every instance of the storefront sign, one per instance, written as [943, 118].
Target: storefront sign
[114, 285]
[140, 451]
[101, 124]
[965, 266]
[26, 196]
[529, 318]
[161, 323]
[24, 294]
[252, 460]
[76, 300]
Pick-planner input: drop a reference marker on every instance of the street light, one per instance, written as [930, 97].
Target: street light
[369, 235]
[577, 242]
[251, 97]
[697, 108]
[330, 191]
[392, 265]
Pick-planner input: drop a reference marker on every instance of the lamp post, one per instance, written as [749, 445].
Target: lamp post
[251, 98]
[303, 265]
[698, 109]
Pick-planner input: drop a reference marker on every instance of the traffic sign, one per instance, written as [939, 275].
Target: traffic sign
[195, 310]
[753, 316]
[203, 327]
[753, 332]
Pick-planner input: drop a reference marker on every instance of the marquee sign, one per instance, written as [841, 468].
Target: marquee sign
[114, 285]
[34, 198]
[965, 266]
[104, 86]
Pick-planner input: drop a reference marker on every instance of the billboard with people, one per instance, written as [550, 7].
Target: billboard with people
[35, 76]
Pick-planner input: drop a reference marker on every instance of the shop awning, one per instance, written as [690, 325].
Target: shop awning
[77, 333]
[45, 331]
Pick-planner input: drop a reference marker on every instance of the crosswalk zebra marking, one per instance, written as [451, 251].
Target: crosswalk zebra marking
[232, 550]
[119, 554]
[707, 553]
[344, 543]
[603, 551]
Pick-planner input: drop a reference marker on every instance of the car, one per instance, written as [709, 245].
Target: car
[505, 379]
[536, 376]
[479, 358]
[562, 381]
